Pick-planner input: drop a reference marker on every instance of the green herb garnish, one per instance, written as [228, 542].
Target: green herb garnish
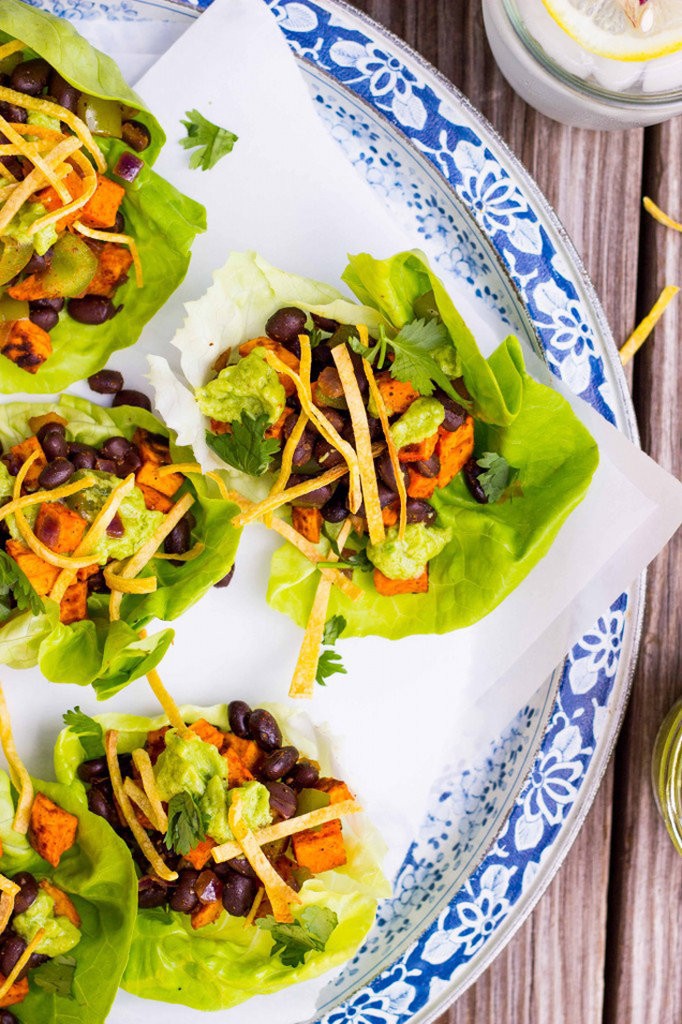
[498, 475]
[413, 362]
[56, 976]
[246, 448]
[186, 826]
[14, 583]
[310, 932]
[329, 662]
[88, 731]
[212, 143]
[333, 628]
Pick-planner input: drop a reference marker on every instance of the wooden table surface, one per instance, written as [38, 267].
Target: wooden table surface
[603, 946]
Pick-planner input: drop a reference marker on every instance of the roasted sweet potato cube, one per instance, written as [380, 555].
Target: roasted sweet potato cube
[281, 352]
[74, 604]
[101, 209]
[307, 522]
[336, 789]
[420, 486]
[52, 830]
[397, 396]
[87, 572]
[155, 500]
[208, 733]
[454, 449]
[114, 262]
[275, 429]
[320, 849]
[155, 453]
[248, 751]
[218, 427]
[42, 575]
[155, 744]
[59, 527]
[237, 772]
[26, 344]
[390, 515]
[390, 588]
[201, 854]
[207, 914]
[63, 905]
[52, 201]
[22, 451]
[419, 452]
[16, 994]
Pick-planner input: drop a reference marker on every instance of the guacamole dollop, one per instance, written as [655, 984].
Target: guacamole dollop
[251, 386]
[18, 228]
[421, 420]
[139, 522]
[60, 934]
[447, 357]
[216, 802]
[187, 765]
[406, 559]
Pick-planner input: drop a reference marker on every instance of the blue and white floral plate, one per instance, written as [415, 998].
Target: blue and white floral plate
[498, 830]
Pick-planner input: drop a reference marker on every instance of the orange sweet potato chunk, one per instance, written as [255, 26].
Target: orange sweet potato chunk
[59, 527]
[155, 743]
[208, 733]
[101, 209]
[398, 396]
[42, 575]
[26, 344]
[154, 500]
[52, 830]
[420, 486]
[307, 522]
[16, 994]
[207, 914]
[237, 772]
[390, 588]
[155, 453]
[114, 262]
[63, 905]
[320, 849]
[421, 451]
[248, 751]
[74, 604]
[23, 451]
[454, 449]
[201, 854]
[336, 789]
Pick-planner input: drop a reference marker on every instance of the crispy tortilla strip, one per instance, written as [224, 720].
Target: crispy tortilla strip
[144, 842]
[271, 833]
[143, 763]
[287, 459]
[9, 889]
[14, 46]
[21, 780]
[179, 467]
[251, 916]
[140, 585]
[188, 556]
[115, 239]
[139, 797]
[83, 134]
[33, 181]
[31, 151]
[644, 329]
[280, 894]
[363, 443]
[378, 398]
[88, 188]
[21, 963]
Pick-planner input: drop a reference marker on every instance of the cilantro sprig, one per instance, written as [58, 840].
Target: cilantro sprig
[186, 825]
[413, 361]
[310, 932]
[88, 731]
[329, 662]
[211, 141]
[498, 475]
[246, 448]
[56, 976]
[16, 590]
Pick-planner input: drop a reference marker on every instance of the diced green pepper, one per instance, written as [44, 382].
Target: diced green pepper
[15, 256]
[72, 269]
[11, 309]
[103, 117]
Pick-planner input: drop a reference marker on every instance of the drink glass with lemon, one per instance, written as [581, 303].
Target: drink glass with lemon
[591, 63]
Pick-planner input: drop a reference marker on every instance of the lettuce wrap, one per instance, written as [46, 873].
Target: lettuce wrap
[163, 221]
[111, 654]
[98, 875]
[225, 963]
[491, 547]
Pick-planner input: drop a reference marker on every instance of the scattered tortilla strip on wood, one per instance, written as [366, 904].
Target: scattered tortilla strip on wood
[644, 329]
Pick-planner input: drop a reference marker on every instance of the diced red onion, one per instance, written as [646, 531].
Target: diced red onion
[128, 166]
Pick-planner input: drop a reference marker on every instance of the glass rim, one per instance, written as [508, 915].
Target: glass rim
[590, 89]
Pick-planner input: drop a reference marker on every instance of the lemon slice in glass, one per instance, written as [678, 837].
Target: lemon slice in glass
[621, 29]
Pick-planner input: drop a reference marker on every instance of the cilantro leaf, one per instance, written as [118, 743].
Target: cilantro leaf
[329, 664]
[498, 475]
[413, 361]
[56, 976]
[310, 932]
[349, 560]
[333, 629]
[186, 826]
[88, 731]
[15, 586]
[211, 142]
[246, 448]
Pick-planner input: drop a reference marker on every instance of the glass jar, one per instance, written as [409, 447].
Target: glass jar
[567, 82]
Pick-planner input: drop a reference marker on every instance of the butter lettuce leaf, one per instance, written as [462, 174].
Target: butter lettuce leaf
[107, 654]
[99, 876]
[225, 963]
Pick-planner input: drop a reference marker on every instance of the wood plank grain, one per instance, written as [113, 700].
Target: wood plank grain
[552, 970]
[644, 940]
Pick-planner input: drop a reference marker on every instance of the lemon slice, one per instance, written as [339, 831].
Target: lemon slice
[621, 29]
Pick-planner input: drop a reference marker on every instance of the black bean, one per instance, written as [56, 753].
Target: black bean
[179, 539]
[28, 893]
[238, 712]
[105, 465]
[136, 135]
[17, 169]
[313, 499]
[54, 445]
[130, 464]
[55, 474]
[37, 264]
[327, 455]
[10, 953]
[208, 887]
[286, 324]
[83, 460]
[7, 1017]
[384, 469]
[282, 799]
[63, 93]
[30, 77]
[303, 451]
[303, 775]
[13, 114]
[238, 894]
[116, 447]
[336, 509]
[116, 527]
[338, 419]
[106, 382]
[323, 323]
[96, 583]
[151, 893]
[241, 866]
[94, 770]
[45, 318]
[100, 804]
[56, 304]
[50, 428]
[418, 511]
[135, 398]
[35, 960]
[263, 728]
[279, 763]
[387, 496]
[184, 898]
[428, 467]
[472, 471]
[119, 225]
[91, 310]
[455, 414]
[225, 581]
[322, 358]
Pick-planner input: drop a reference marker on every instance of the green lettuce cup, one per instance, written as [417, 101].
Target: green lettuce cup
[162, 221]
[221, 964]
[99, 878]
[477, 550]
[97, 650]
